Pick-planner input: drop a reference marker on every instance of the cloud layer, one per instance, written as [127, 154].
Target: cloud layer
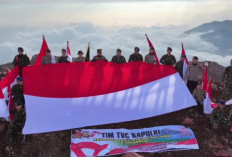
[109, 39]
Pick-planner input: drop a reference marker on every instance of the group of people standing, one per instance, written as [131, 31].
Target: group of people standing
[193, 77]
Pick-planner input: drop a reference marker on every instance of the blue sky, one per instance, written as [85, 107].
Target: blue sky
[109, 24]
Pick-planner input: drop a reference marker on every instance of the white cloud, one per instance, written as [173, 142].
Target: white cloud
[109, 39]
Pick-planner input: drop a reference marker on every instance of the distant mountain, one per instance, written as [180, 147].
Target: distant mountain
[217, 33]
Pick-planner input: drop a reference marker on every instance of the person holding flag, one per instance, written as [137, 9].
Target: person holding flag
[168, 59]
[193, 74]
[118, 58]
[64, 57]
[149, 58]
[49, 58]
[80, 57]
[17, 91]
[21, 59]
[99, 56]
[221, 116]
[180, 65]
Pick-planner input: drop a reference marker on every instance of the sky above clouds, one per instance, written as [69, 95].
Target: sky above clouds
[109, 24]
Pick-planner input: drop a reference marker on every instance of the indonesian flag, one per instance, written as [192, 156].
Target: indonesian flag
[186, 62]
[95, 93]
[11, 104]
[151, 45]
[205, 79]
[69, 52]
[42, 53]
[208, 105]
[5, 86]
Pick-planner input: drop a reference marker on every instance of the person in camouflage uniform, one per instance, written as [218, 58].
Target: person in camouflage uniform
[118, 58]
[168, 59]
[21, 59]
[227, 82]
[17, 91]
[199, 95]
[18, 121]
[221, 116]
[150, 58]
[179, 65]
[136, 56]
[99, 56]
[64, 57]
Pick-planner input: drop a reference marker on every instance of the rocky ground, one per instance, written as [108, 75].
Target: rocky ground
[211, 142]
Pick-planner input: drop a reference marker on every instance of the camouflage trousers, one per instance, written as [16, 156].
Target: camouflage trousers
[221, 122]
[14, 129]
[227, 93]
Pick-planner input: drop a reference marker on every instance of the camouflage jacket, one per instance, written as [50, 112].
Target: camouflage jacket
[149, 58]
[17, 92]
[179, 67]
[118, 59]
[227, 75]
[19, 116]
[135, 57]
[222, 116]
[63, 59]
[199, 95]
[46, 60]
[21, 60]
[99, 58]
[168, 60]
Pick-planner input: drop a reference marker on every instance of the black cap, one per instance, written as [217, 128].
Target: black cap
[63, 50]
[80, 52]
[195, 57]
[19, 103]
[137, 49]
[19, 78]
[169, 48]
[48, 51]
[20, 49]
[119, 50]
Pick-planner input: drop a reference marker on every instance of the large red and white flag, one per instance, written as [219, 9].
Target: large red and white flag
[69, 52]
[208, 105]
[151, 45]
[85, 94]
[186, 62]
[5, 85]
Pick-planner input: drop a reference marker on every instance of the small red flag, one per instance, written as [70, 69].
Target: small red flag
[209, 89]
[42, 53]
[151, 45]
[11, 104]
[205, 79]
[184, 53]
[69, 52]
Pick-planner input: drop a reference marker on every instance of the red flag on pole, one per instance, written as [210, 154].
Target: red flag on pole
[209, 89]
[205, 79]
[184, 53]
[42, 53]
[151, 45]
[11, 105]
[69, 52]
